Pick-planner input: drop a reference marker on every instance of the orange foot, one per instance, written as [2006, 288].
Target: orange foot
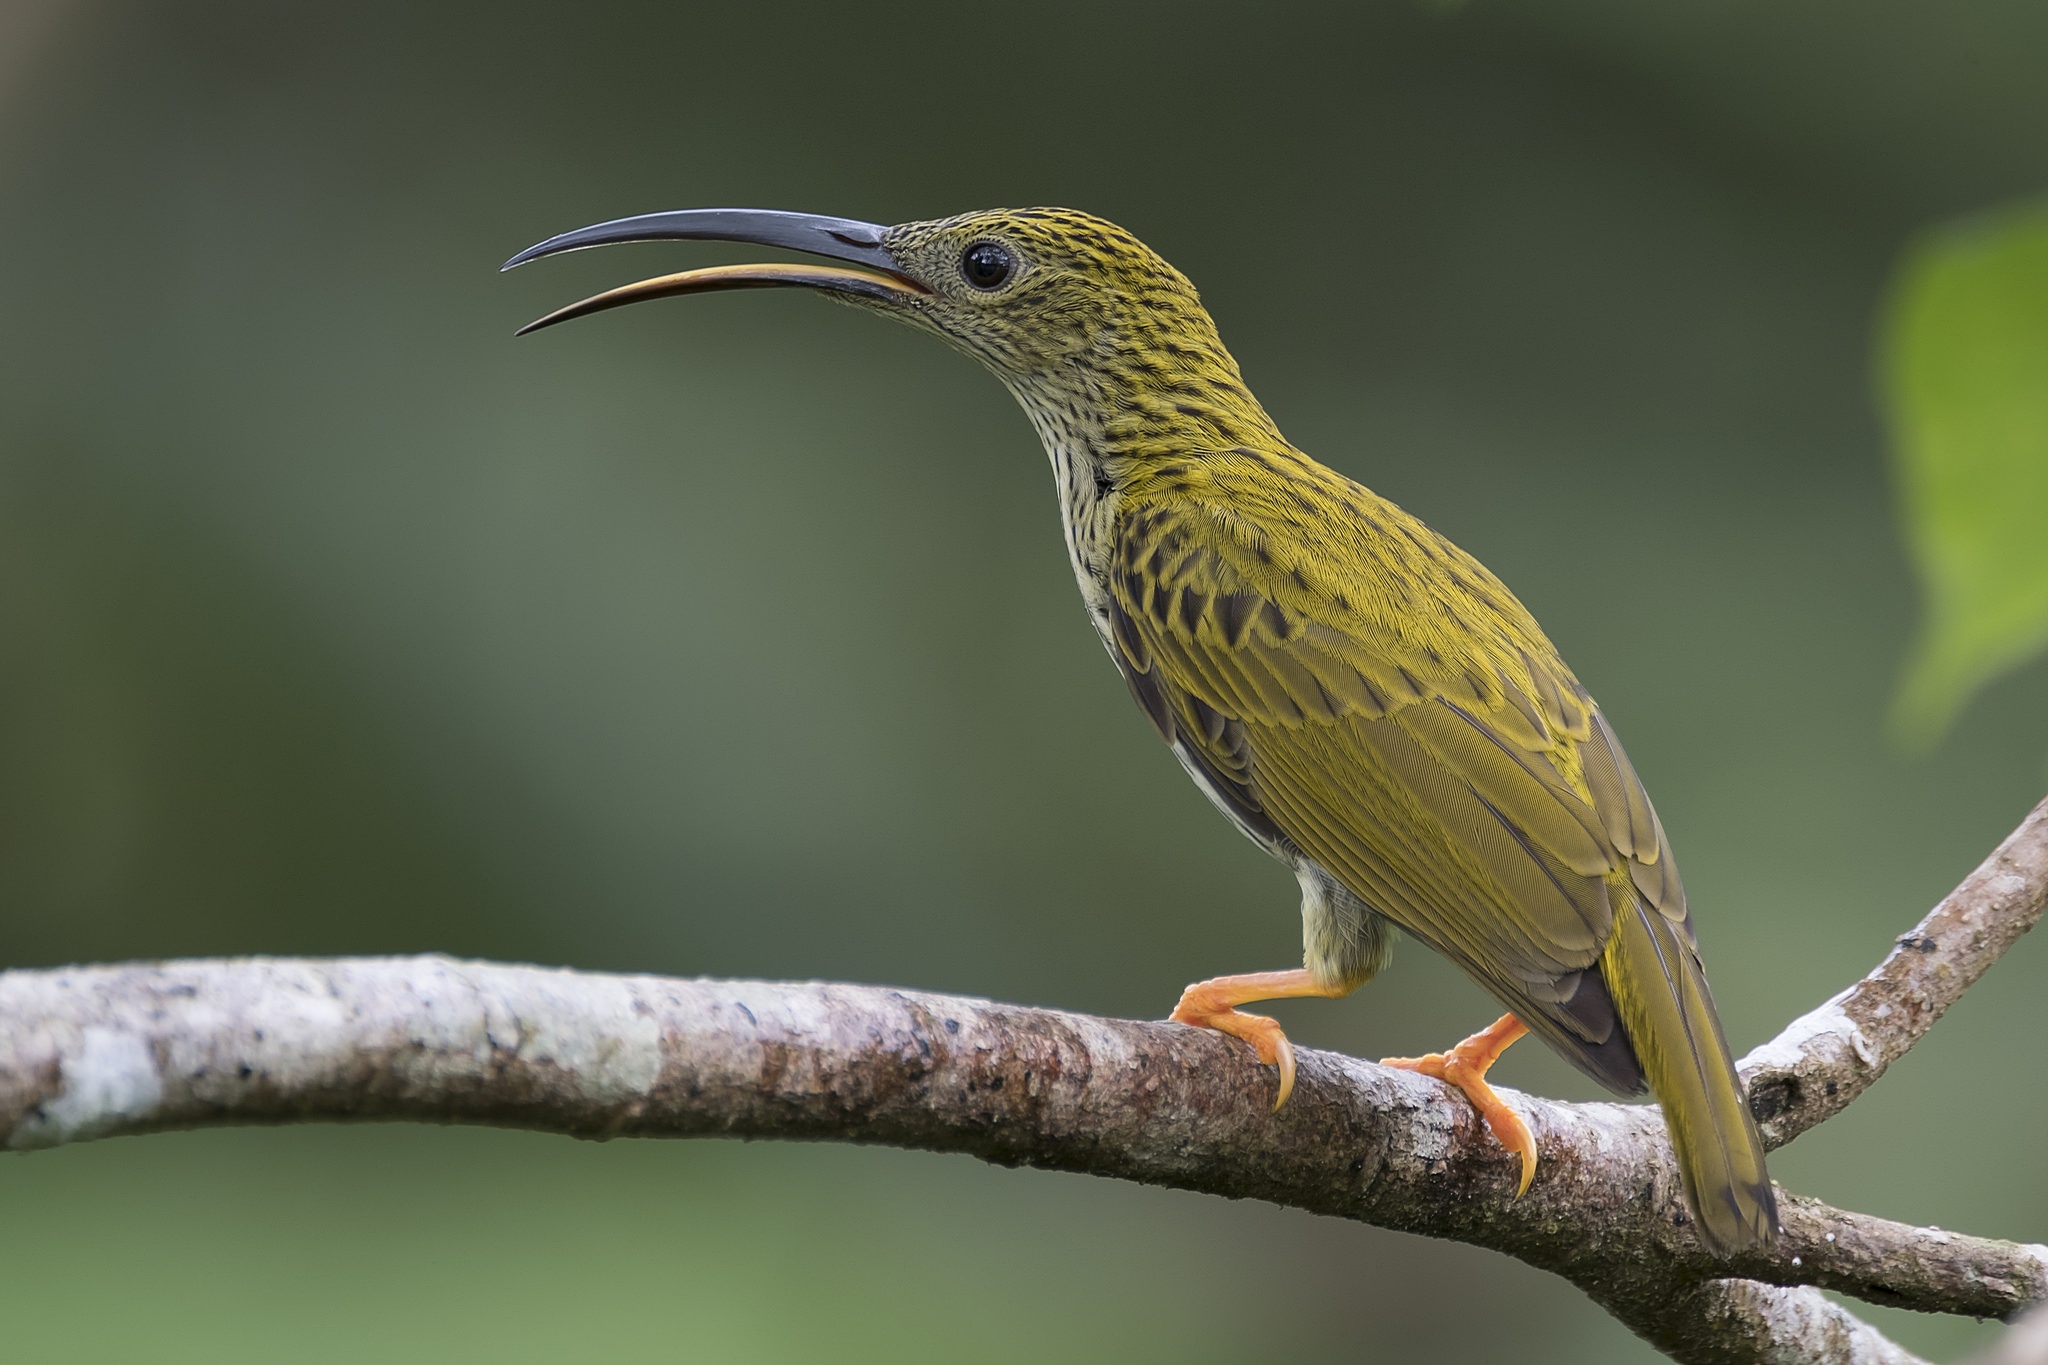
[1213, 1004]
[1465, 1067]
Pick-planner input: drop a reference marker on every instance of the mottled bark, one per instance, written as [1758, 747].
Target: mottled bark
[96, 1051]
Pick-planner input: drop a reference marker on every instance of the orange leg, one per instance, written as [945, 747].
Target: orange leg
[1465, 1067]
[1213, 1004]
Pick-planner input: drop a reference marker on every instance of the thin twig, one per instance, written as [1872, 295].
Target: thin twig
[1827, 1057]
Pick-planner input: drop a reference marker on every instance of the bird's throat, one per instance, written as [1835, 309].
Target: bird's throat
[1085, 478]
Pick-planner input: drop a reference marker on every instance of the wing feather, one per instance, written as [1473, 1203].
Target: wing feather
[1463, 785]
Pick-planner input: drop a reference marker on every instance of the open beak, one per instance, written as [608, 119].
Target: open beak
[843, 239]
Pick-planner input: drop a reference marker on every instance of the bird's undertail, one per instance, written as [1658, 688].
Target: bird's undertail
[1660, 991]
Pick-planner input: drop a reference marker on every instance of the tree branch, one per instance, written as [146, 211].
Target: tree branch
[1827, 1057]
[99, 1051]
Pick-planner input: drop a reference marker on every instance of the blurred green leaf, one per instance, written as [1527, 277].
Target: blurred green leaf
[1965, 369]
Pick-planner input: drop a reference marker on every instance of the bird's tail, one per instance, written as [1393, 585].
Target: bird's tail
[1660, 990]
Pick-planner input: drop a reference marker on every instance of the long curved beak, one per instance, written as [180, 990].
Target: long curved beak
[843, 239]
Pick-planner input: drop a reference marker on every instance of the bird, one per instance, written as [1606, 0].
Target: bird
[1357, 695]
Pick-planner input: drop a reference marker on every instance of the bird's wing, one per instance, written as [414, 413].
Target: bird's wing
[1463, 785]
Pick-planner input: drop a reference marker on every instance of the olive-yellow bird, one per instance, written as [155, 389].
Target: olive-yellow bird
[1360, 697]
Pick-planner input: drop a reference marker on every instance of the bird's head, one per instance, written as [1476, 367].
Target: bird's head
[1044, 297]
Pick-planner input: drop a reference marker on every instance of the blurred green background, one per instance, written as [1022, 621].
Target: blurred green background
[735, 636]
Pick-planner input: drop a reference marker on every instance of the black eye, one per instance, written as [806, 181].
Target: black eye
[986, 265]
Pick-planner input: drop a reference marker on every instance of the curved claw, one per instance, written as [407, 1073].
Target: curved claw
[1514, 1135]
[1285, 1061]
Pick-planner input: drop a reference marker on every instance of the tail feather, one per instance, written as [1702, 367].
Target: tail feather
[1660, 991]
